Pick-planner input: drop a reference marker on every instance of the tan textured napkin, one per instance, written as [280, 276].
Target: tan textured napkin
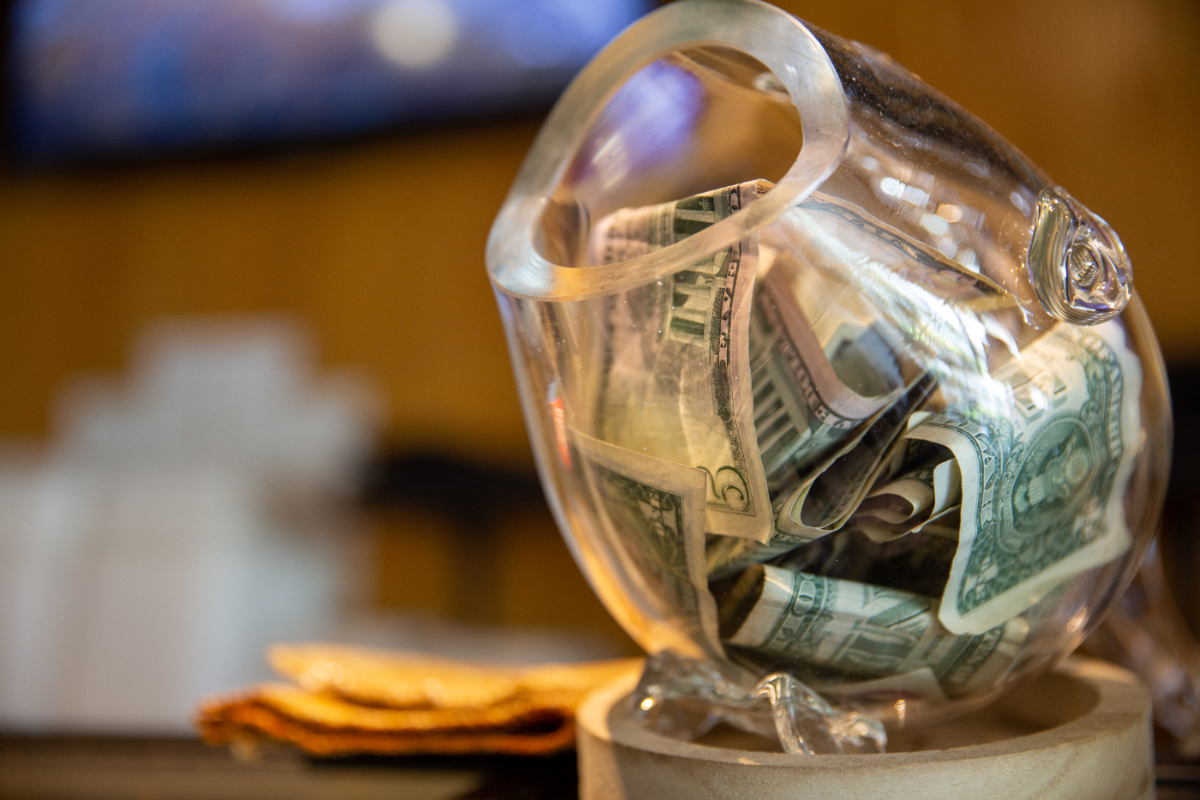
[348, 700]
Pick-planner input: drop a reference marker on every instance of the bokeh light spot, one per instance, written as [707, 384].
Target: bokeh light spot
[414, 33]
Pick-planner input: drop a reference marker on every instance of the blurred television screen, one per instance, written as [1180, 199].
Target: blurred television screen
[96, 80]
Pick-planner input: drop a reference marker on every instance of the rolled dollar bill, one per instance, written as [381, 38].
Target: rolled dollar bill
[826, 503]
[873, 264]
[725, 555]
[923, 493]
[926, 488]
[1043, 489]
[860, 629]
[676, 372]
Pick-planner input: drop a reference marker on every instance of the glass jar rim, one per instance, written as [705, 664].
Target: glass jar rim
[777, 39]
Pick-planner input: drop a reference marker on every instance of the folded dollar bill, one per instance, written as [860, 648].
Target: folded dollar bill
[676, 381]
[1043, 490]
[825, 504]
[652, 513]
[926, 488]
[860, 630]
[812, 403]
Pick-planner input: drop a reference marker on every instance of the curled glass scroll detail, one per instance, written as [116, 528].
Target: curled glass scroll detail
[1080, 269]
[684, 698]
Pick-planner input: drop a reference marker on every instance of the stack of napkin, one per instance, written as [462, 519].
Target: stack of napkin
[346, 700]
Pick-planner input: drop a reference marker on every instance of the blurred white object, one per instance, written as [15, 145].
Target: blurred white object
[178, 523]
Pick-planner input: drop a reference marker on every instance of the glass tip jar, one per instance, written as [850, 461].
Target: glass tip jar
[849, 414]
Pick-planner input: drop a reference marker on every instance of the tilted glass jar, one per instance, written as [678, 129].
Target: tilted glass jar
[823, 377]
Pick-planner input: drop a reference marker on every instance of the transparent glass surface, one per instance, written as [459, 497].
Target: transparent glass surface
[825, 379]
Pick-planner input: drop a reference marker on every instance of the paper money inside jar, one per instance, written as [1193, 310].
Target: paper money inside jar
[848, 412]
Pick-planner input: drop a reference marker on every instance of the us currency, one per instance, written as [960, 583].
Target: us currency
[676, 381]
[805, 412]
[839, 489]
[825, 504]
[859, 629]
[926, 488]
[882, 269]
[652, 514]
[1043, 489]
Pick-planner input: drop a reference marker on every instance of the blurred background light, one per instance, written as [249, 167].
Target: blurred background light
[315, 12]
[91, 79]
[414, 33]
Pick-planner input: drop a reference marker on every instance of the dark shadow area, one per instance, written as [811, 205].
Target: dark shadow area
[1179, 533]
[66, 767]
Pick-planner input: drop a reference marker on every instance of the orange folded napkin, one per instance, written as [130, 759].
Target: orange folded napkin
[349, 700]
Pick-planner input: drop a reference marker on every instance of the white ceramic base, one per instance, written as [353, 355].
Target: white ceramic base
[1082, 731]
